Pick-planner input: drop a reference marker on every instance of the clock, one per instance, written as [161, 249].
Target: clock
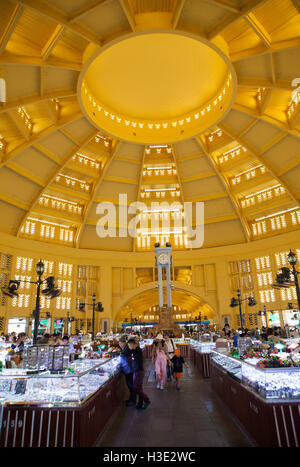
[163, 258]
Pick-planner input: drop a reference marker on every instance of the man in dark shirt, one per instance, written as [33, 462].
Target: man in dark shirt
[125, 366]
[138, 374]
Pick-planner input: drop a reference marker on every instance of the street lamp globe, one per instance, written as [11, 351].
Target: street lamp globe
[39, 268]
[292, 258]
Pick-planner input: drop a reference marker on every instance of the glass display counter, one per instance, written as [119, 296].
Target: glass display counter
[74, 385]
[265, 401]
[202, 346]
[65, 409]
[269, 383]
[200, 354]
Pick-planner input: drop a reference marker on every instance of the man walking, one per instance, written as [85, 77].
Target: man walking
[138, 374]
[126, 367]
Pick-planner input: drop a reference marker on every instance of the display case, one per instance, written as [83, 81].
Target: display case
[46, 357]
[203, 346]
[74, 385]
[264, 401]
[66, 409]
[200, 354]
[269, 383]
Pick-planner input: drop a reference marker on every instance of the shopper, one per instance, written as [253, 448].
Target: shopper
[18, 346]
[44, 339]
[138, 374]
[66, 341]
[125, 366]
[178, 362]
[160, 357]
[171, 346]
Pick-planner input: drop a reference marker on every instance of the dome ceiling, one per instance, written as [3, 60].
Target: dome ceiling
[57, 162]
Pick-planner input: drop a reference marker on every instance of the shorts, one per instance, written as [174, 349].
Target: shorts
[177, 375]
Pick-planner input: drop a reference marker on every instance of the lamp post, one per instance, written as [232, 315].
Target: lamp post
[96, 307]
[283, 277]
[238, 302]
[292, 259]
[260, 313]
[39, 270]
[50, 292]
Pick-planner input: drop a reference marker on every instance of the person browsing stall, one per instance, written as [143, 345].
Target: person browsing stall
[125, 366]
[138, 374]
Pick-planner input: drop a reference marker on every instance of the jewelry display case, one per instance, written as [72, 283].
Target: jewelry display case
[265, 401]
[269, 383]
[67, 408]
[200, 353]
[74, 385]
[46, 357]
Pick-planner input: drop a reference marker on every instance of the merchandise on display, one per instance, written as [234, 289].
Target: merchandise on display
[269, 380]
[73, 385]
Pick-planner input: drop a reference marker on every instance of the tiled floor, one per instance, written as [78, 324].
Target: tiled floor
[190, 417]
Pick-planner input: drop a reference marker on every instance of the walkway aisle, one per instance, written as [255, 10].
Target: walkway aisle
[190, 417]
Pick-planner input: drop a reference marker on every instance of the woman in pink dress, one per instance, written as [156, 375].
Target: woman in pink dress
[160, 356]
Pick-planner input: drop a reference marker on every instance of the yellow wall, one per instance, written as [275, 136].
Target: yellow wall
[116, 283]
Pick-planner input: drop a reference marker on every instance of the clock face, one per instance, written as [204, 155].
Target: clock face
[163, 258]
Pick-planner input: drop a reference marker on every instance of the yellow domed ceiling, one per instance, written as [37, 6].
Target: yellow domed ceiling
[194, 100]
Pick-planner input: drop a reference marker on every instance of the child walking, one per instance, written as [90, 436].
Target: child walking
[178, 363]
[160, 357]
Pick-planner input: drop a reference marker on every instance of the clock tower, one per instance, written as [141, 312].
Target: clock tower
[163, 260]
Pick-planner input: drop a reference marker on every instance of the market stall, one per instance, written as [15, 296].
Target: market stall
[262, 390]
[63, 407]
[200, 352]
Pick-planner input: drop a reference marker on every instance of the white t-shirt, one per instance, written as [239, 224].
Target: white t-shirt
[170, 346]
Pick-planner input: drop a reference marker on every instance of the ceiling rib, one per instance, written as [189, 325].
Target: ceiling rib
[247, 82]
[39, 136]
[19, 123]
[262, 50]
[268, 119]
[259, 29]
[225, 4]
[53, 176]
[128, 13]
[52, 41]
[54, 14]
[86, 10]
[37, 99]
[296, 4]
[9, 59]
[237, 209]
[9, 29]
[260, 158]
[177, 12]
[230, 20]
[93, 195]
